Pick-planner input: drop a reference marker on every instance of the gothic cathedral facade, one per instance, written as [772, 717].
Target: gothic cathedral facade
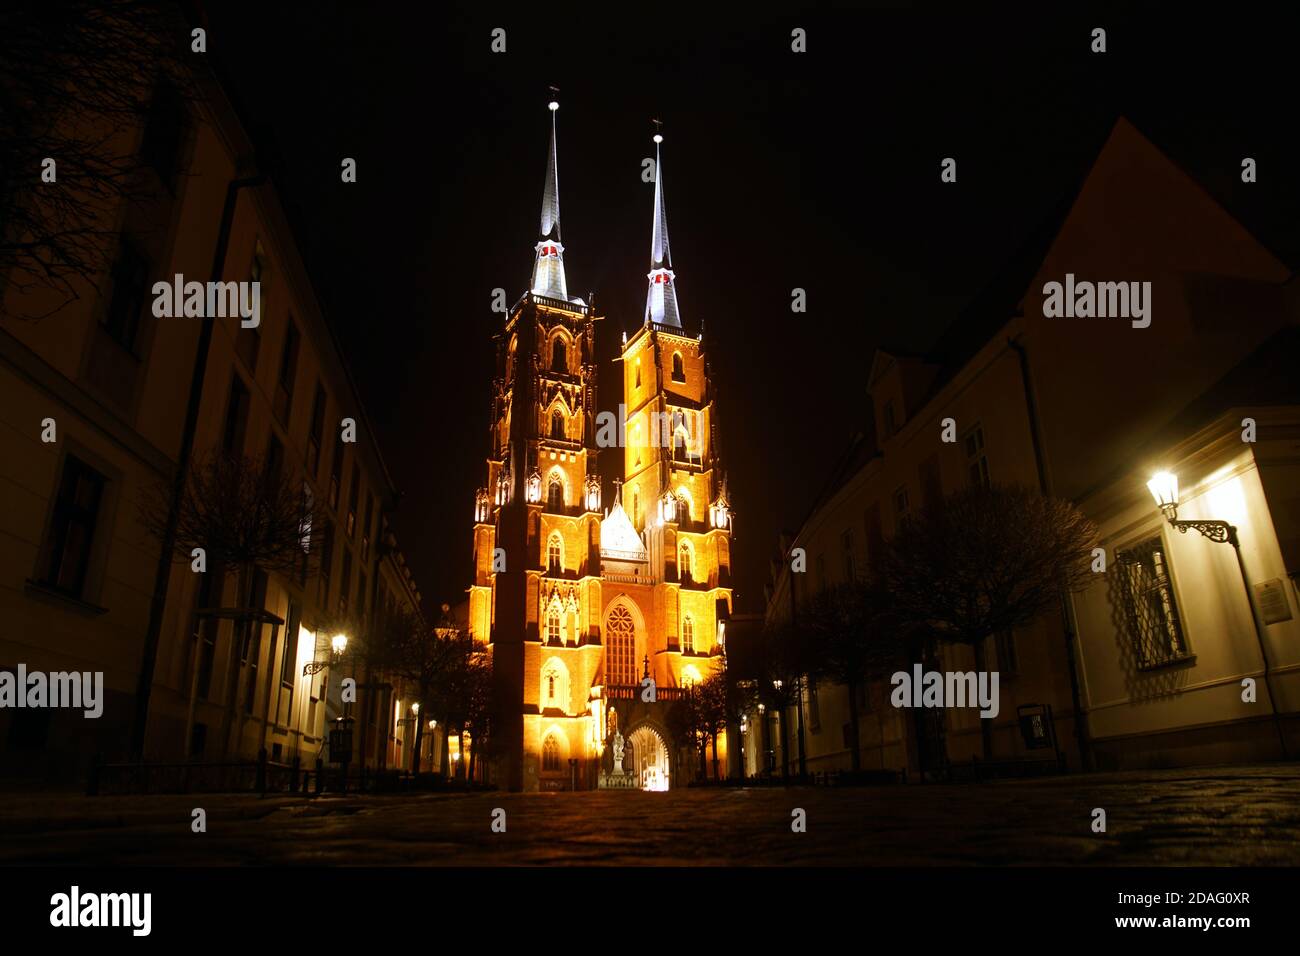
[598, 619]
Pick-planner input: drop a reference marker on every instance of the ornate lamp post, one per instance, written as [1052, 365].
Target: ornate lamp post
[1164, 489]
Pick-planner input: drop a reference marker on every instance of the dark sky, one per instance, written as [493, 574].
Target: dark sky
[817, 170]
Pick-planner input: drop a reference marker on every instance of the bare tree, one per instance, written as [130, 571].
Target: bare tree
[237, 515]
[853, 638]
[78, 79]
[984, 562]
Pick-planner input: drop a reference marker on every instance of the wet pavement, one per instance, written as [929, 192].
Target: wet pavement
[1208, 816]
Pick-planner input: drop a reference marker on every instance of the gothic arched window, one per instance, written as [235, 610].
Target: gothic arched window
[557, 424]
[684, 562]
[559, 356]
[620, 648]
[551, 753]
[679, 368]
[553, 624]
[688, 635]
[555, 554]
[555, 495]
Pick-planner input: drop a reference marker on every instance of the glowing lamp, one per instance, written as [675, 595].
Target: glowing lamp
[1164, 489]
[339, 643]
[415, 708]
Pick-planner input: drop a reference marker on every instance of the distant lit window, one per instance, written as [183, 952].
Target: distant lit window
[551, 754]
[555, 496]
[688, 635]
[684, 562]
[553, 625]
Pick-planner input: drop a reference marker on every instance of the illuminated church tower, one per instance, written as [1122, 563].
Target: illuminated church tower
[578, 604]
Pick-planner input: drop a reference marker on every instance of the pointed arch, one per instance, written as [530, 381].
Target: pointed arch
[555, 685]
[685, 561]
[624, 639]
[688, 634]
[555, 553]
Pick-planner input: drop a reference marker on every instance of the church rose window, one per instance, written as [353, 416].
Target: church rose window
[620, 648]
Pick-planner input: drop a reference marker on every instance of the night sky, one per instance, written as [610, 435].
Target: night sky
[781, 170]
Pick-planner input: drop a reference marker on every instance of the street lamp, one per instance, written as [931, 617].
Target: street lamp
[1164, 489]
[339, 643]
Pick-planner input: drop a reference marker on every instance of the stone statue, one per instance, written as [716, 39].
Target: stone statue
[618, 752]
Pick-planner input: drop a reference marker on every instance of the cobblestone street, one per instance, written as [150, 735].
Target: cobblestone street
[1215, 816]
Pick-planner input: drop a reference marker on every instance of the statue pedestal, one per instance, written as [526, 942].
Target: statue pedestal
[618, 780]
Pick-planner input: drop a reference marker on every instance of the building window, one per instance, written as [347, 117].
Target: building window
[620, 648]
[977, 463]
[130, 289]
[336, 470]
[557, 425]
[1150, 607]
[891, 421]
[684, 562]
[288, 373]
[555, 496]
[559, 356]
[679, 368]
[555, 554]
[551, 754]
[902, 504]
[72, 529]
[248, 339]
[638, 374]
[850, 561]
[354, 496]
[317, 434]
[553, 624]
[164, 131]
[326, 560]
[688, 635]
[365, 529]
[289, 654]
[1008, 661]
[232, 441]
[345, 583]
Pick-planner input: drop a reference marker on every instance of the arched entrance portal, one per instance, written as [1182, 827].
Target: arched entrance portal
[649, 758]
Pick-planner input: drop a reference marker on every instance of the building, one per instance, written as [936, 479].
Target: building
[1178, 652]
[104, 401]
[582, 607]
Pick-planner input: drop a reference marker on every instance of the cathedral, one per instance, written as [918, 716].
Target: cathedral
[598, 618]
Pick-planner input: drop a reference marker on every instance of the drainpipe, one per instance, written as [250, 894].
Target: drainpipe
[162, 574]
[1067, 600]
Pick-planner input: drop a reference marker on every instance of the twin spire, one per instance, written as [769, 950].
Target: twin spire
[548, 267]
